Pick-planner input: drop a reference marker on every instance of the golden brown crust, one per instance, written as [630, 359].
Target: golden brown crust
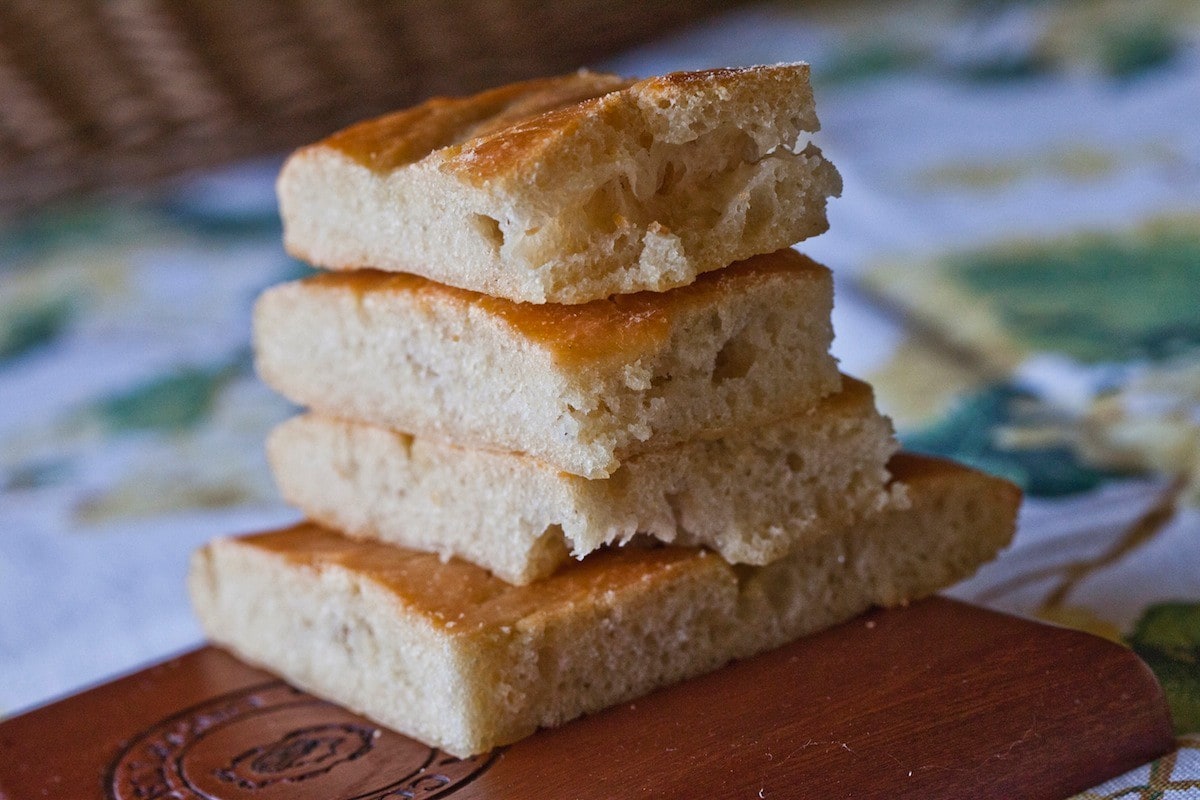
[600, 328]
[459, 597]
[674, 81]
[912, 468]
[404, 137]
[489, 133]
[509, 141]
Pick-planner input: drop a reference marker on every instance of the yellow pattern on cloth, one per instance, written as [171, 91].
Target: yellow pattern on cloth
[1175, 776]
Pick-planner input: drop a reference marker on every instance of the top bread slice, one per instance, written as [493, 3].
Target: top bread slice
[568, 189]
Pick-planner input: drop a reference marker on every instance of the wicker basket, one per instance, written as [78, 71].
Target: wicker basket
[117, 93]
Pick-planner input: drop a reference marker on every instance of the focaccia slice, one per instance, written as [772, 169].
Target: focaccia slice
[752, 495]
[581, 387]
[568, 189]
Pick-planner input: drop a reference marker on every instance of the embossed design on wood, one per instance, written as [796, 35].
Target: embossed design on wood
[260, 742]
[299, 755]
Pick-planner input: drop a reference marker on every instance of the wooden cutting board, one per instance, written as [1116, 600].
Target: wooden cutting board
[937, 700]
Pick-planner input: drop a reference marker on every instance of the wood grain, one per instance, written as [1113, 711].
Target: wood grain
[938, 700]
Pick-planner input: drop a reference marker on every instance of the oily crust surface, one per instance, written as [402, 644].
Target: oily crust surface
[508, 143]
[500, 131]
[617, 327]
[407, 136]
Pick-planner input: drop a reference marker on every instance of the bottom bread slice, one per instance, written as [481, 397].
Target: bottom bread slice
[457, 658]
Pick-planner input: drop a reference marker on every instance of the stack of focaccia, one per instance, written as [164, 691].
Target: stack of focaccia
[574, 431]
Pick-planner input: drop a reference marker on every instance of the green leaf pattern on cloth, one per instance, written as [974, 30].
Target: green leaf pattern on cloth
[26, 327]
[175, 401]
[984, 430]
[1096, 298]
[1167, 637]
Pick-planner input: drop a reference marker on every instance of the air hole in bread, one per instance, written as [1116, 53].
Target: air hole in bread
[601, 209]
[795, 462]
[489, 228]
[551, 547]
[675, 503]
[671, 175]
[773, 326]
[759, 212]
[734, 360]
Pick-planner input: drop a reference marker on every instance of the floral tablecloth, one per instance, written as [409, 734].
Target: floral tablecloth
[1018, 261]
